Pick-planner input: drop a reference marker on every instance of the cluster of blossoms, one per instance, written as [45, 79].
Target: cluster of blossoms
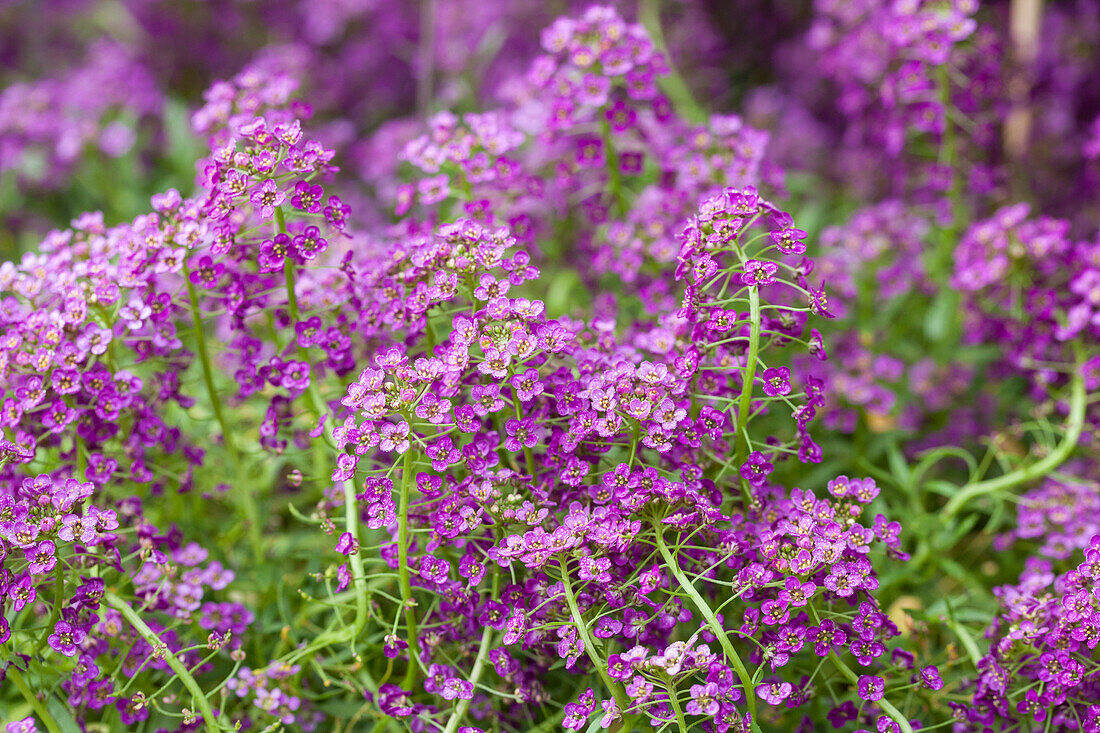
[883, 389]
[580, 139]
[556, 432]
[1042, 667]
[1034, 289]
[46, 126]
[1061, 515]
[891, 67]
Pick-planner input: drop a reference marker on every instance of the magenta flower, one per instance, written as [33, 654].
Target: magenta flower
[267, 197]
[41, 557]
[759, 273]
[206, 273]
[347, 545]
[521, 434]
[307, 197]
[930, 677]
[774, 693]
[756, 468]
[777, 381]
[871, 688]
[66, 638]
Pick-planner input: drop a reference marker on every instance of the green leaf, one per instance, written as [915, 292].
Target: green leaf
[62, 716]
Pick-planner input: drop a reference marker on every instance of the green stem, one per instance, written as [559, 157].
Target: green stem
[173, 662]
[528, 455]
[649, 15]
[16, 676]
[712, 622]
[55, 612]
[744, 401]
[589, 645]
[477, 669]
[885, 704]
[1074, 427]
[243, 493]
[207, 369]
[680, 720]
[351, 505]
[614, 175]
[407, 602]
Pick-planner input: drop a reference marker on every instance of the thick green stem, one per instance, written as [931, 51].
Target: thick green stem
[16, 676]
[407, 601]
[744, 401]
[673, 84]
[351, 505]
[614, 175]
[1074, 427]
[477, 669]
[612, 686]
[55, 612]
[711, 619]
[173, 662]
[885, 704]
[680, 720]
[244, 493]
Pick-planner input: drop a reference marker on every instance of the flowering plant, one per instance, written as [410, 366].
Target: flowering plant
[561, 401]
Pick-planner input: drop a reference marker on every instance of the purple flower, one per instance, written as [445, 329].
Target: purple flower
[205, 272]
[267, 197]
[26, 725]
[347, 545]
[521, 434]
[756, 468]
[759, 273]
[777, 381]
[306, 197]
[704, 699]
[41, 557]
[66, 638]
[796, 592]
[930, 678]
[774, 693]
[308, 245]
[459, 689]
[789, 240]
[870, 688]
[274, 252]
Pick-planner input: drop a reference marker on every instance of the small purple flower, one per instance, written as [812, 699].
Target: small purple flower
[930, 678]
[759, 273]
[434, 569]
[309, 244]
[796, 592]
[457, 689]
[871, 688]
[521, 434]
[267, 198]
[774, 693]
[347, 545]
[274, 252]
[66, 638]
[756, 468]
[789, 240]
[704, 699]
[41, 557]
[777, 381]
[206, 273]
[26, 725]
[307, 197]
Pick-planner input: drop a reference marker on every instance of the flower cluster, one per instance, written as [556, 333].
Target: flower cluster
[530, 410]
